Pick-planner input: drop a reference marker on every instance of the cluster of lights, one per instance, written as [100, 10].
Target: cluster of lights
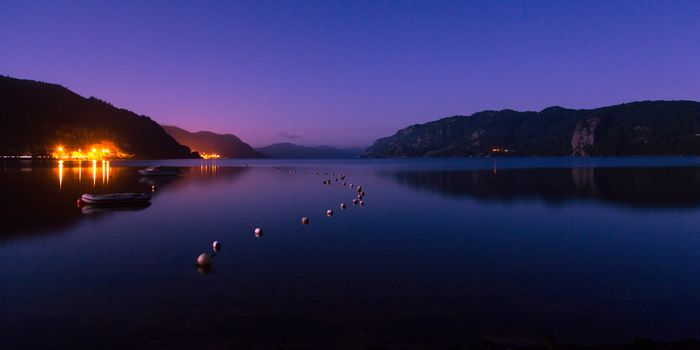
[210, 155]
[499, 150]
[94, 153]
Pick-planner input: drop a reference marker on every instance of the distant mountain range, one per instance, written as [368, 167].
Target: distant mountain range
[230, 146]
[638, 128]
[38, 116]
[225, 145]
[289, 150]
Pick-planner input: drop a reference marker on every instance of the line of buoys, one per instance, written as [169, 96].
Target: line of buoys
[204, 259]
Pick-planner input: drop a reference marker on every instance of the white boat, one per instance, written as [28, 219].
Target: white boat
[116, 198]
[159, 171]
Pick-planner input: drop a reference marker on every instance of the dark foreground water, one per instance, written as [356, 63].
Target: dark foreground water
[442, 254]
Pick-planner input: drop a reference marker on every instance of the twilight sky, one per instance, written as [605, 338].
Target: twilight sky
[347, 72]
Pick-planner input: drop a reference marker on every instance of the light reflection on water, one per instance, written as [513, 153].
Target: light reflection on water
[444, 253]
[76, 172]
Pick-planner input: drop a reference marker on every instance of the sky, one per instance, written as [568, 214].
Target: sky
[345, 73]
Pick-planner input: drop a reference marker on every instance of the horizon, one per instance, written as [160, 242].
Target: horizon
[345, 74]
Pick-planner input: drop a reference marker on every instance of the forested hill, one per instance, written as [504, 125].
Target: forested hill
[225, 145]
[37, 116]
[637, 128]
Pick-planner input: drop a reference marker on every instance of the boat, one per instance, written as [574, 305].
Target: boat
[116, 199]
[159, 171]
[95, 209]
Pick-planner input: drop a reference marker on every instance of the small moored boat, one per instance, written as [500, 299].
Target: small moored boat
[159, 171]
[116, 199]
[96, 209]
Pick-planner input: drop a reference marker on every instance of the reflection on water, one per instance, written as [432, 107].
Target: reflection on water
[443, 254]
[673, 187]
[37, 196]
[76, 169]
[60, 174]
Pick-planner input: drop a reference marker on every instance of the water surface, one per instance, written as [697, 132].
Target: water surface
[443, 253]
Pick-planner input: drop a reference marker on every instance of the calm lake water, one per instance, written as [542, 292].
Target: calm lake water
[443, 253]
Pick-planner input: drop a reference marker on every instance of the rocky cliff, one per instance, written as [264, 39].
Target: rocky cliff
[638, 128]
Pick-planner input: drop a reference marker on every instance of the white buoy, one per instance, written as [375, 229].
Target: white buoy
[354, 201]
[258, 232]
[350, 185]
[329, 212]
[204, 259]
[342, 205]
[362, 202]
[216, 246]
[304, 220]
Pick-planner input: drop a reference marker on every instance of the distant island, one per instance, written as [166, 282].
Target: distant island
[41, 119]
[207, 143]
[638, 128]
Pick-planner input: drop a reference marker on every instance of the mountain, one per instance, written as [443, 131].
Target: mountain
[38, 116]
[290, 150]
[225, 145]
[638, 128]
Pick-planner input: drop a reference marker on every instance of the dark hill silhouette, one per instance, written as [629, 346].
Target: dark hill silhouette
[37, 116]
[225, 145]
[289, 150]
[638, 128]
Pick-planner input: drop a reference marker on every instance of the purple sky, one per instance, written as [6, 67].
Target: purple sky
[346, 72]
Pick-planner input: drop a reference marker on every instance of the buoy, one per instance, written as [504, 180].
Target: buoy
[350, 185]
[359, 196]
[216, 246]
[304, 220]
[354, 201]
[329, 212]
[153, 188]
[204, 259]
[342, 205]
[362, 202]
[258, 232]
